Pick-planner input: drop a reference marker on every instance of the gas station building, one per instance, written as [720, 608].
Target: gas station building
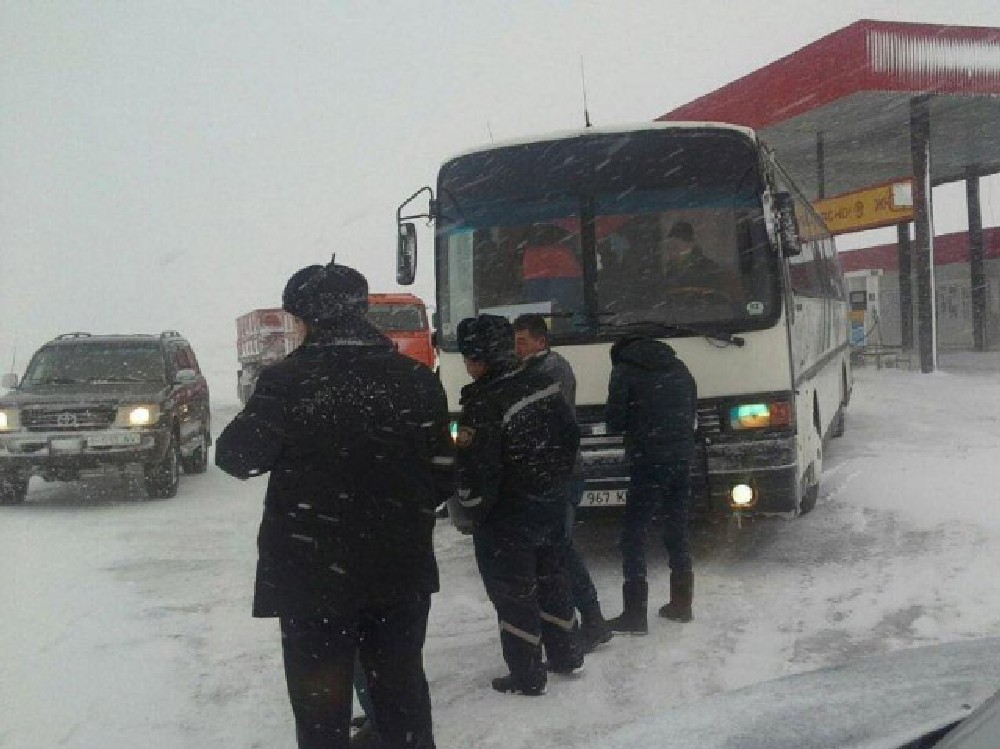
[867, 120]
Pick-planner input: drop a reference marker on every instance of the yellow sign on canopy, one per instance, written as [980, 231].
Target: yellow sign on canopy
[882, 205]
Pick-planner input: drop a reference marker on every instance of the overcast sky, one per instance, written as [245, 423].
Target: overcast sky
[169, 164]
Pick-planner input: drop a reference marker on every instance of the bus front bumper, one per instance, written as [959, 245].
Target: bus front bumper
[767, 466]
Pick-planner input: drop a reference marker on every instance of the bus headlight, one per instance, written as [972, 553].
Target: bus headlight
[741, 496]
[138, 416]
[10, 419]
[768, 415]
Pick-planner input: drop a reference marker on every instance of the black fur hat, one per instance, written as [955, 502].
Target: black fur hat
[487, 338]
[326, 294]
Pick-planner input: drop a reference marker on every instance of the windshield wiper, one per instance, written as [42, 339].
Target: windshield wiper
[114, 380]
[60, 381]
[673, 329]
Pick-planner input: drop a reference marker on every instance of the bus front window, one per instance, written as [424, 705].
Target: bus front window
[606, 232]
[692, 266]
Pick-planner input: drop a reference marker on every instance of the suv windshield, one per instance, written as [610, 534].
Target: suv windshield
[608, 230]
[97, 362]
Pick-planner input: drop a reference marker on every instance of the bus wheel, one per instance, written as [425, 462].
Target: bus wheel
[810, 491]
[837, 427]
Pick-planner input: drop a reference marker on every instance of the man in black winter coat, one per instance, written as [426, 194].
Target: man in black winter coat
[355, 438]
[517, 441]
[653, 400]
[531, 342]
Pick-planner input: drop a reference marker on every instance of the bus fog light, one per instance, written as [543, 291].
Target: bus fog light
[741, 495]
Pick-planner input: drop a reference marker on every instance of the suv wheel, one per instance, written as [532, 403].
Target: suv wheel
[13, 488]
[197, 462]
[163, 478]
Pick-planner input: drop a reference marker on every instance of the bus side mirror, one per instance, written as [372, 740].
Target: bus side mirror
[9, 381]
[788, 224]
[434, 339]
[406, 254]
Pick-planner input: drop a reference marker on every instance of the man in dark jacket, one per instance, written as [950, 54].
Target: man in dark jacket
[531, 341]
[517, 441]
[355, 438]
[653, 400]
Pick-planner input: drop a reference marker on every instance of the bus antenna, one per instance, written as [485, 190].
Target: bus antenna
[489, 130]
[583, 81]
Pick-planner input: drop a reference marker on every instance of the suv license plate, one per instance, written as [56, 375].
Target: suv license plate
[604, 498]
[66, 445]
[119, 439]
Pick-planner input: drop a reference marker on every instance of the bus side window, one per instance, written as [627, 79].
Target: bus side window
[806, 271]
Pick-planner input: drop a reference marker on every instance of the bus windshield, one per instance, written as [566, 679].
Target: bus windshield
[608, 232]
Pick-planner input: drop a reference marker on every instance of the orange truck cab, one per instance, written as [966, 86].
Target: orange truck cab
[403, 318]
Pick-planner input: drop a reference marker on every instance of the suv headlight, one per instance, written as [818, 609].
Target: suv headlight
[10, 419]
[143, 415]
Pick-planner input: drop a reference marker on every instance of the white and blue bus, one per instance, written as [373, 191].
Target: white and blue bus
[583, 227]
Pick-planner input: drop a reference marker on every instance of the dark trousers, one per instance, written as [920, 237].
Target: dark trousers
[584, 592]
[319, 668]
[361, 688]
[657, 487]
[526, 579]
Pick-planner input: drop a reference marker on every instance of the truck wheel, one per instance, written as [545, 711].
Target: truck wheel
[163, 478]
[13, 488]
[197, 462]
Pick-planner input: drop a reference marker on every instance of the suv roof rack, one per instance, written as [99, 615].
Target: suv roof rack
[64, 336]
[170, 334]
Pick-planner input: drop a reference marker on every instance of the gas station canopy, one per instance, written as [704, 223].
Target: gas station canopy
[838, 112]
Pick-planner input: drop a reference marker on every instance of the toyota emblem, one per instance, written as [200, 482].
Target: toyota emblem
[66, 420]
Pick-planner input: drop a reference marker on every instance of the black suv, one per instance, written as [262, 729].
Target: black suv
[134, 405]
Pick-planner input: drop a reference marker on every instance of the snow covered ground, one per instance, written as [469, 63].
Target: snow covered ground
[126, 623]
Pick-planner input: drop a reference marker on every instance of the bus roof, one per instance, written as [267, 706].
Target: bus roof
[605, 130]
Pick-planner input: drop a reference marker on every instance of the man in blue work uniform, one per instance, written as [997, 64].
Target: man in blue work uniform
[517, 442]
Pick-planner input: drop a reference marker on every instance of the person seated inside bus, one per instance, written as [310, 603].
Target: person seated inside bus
[686, 270]
[551, 271]
[497, 272]
[628, 267]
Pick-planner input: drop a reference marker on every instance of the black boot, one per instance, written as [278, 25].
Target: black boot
[635, 594]
[366, 738]
[511, 684]
[681, 594]
[594, 630]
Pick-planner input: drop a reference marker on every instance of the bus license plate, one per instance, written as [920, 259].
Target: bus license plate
[604, 498]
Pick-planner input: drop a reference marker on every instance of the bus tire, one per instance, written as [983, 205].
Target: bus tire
[838, 426]
[810, 491]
